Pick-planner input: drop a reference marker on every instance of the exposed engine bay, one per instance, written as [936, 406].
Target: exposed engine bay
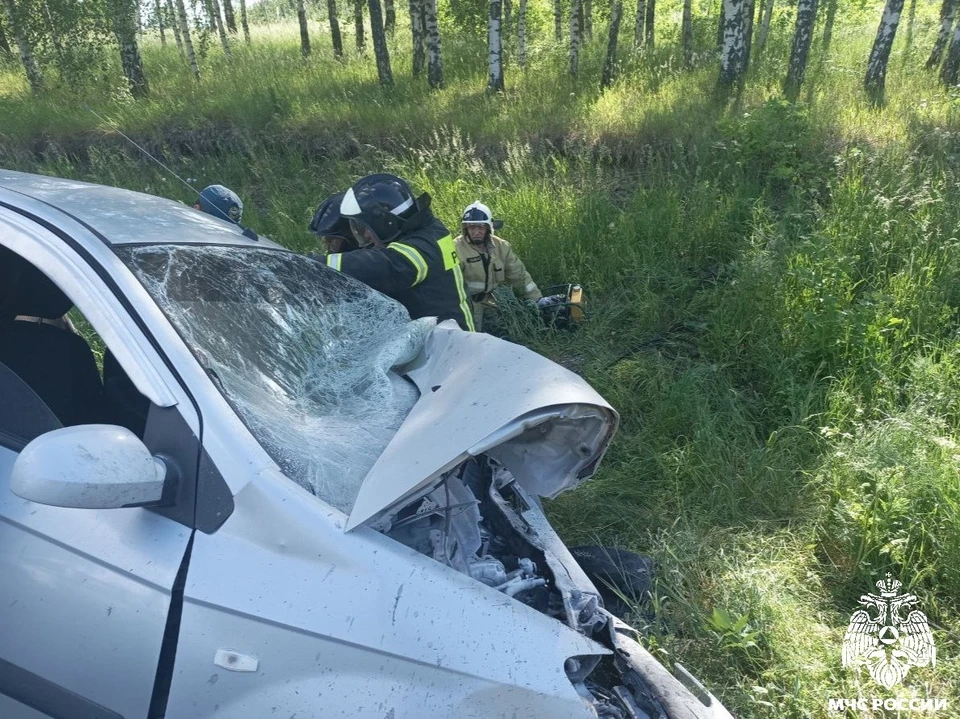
[481, 522]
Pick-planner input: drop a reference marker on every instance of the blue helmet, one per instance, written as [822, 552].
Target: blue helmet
[221, 202]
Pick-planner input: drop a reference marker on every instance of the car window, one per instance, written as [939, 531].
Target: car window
[303, 353]
[23, 415]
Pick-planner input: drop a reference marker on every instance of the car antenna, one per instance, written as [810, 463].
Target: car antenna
[248, 232]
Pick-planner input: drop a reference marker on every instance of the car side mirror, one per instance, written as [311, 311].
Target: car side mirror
[498, 224]
[92, 466]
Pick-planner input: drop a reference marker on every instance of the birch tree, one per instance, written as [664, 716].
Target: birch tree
[764, 30]
[434, 51]
[648, 30]
[610, 64]
[495, 46]
[828, 29]
[391, 16]
[873, 81]
[557, 20]
[951, 66]
[748, 33]
[158, 11]
[948, 11]
[418, 31]
[213, 7]
[175, 26]
[54, 33]
[732, 56]
[243, 20]
[380, 51]
[229, 16]
[911, 16]
[639, 23]
[17, 28]
[358, 24]
[304, 29]
[574, 37]
[123, 15]
[587, 6]
[522, 34]
[187, 41]
[507, 14]
[686, 33]
[800, 50]
[334, 28]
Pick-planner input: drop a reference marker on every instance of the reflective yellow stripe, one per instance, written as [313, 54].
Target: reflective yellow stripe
[465, 306]
[416, 259]
[334, 261]
[449, 251]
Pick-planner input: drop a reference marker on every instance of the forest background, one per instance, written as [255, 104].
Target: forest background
[770, 249]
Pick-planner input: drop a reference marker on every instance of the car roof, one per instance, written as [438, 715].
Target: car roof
[126, 217]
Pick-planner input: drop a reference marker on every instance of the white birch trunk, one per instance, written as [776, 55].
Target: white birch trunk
[951, 66]
[587, 20]
[732, 65]
[574, 37]
[434, 50]
[123, 15]
[187, 41]
[764, 30]
[243, 20]
[828, 29]
[54, 34]
[610, 64]
[221, 29]
[638, 24]
[522, 34]
[557, 20]
[911, 15]
[686, 33]
[495, 47]
[358, 24]
[800, 51]
[175, 26]
[229, 16]
[335, 37]
[30, 65]
[304, 29]
[418, 32]
[873, 81]
[380, 51]
[158, 11]
[648, 31]
[948, 11]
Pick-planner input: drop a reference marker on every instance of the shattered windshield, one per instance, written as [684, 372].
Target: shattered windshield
[302, 352]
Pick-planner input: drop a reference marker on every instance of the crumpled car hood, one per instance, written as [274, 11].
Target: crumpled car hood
[480, 394]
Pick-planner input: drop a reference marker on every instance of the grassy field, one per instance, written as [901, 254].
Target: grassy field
[774, 295]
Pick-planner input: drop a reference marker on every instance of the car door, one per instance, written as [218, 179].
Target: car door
[86, 594]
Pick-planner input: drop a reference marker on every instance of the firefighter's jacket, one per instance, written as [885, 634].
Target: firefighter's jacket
[419, 269]
[494, 263]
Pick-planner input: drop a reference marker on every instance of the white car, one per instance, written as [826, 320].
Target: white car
[283, 498]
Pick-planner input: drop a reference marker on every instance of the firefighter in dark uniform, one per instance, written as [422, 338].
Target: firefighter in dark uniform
[405, 252]
[332, 227]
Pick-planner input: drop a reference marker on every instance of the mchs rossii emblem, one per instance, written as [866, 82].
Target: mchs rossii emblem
[882, 638]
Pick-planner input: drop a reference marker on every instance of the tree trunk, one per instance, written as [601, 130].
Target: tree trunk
[434, 51]
[123, 15]
[418, 31]
[384, 75]
[873, 82]
[800, 51]
[748, 34]
[732, 52]
[522, 35]
[951, 66]
[391, 15]
[507, 14]
[229, 16]
[610, 64]
[648, 32]
[587, 6]
[30, 66]
[304, 30]
[213, 7]
[574, 37]
[334, 28]
[638, 24]
[764, 30]
[187, 41]
[243, 20]
[358, 24]
[495, 46]
[557, 20]
[172, 19]
[686, 33]
[911, 14]
[948, 11]
[828, 29]
[54, 34]
[158, 11]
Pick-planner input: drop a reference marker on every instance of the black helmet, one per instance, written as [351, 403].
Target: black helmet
[327, 220]
[379, 203]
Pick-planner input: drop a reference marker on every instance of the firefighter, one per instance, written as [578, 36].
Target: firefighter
[220, 202]
[332, 227]
[489, 261]
[405, 252]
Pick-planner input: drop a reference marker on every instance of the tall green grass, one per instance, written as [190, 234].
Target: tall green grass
[773, 295]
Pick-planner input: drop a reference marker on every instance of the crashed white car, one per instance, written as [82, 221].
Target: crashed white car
[283, 497]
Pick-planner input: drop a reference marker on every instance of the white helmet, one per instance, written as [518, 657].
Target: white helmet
[478, 214]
